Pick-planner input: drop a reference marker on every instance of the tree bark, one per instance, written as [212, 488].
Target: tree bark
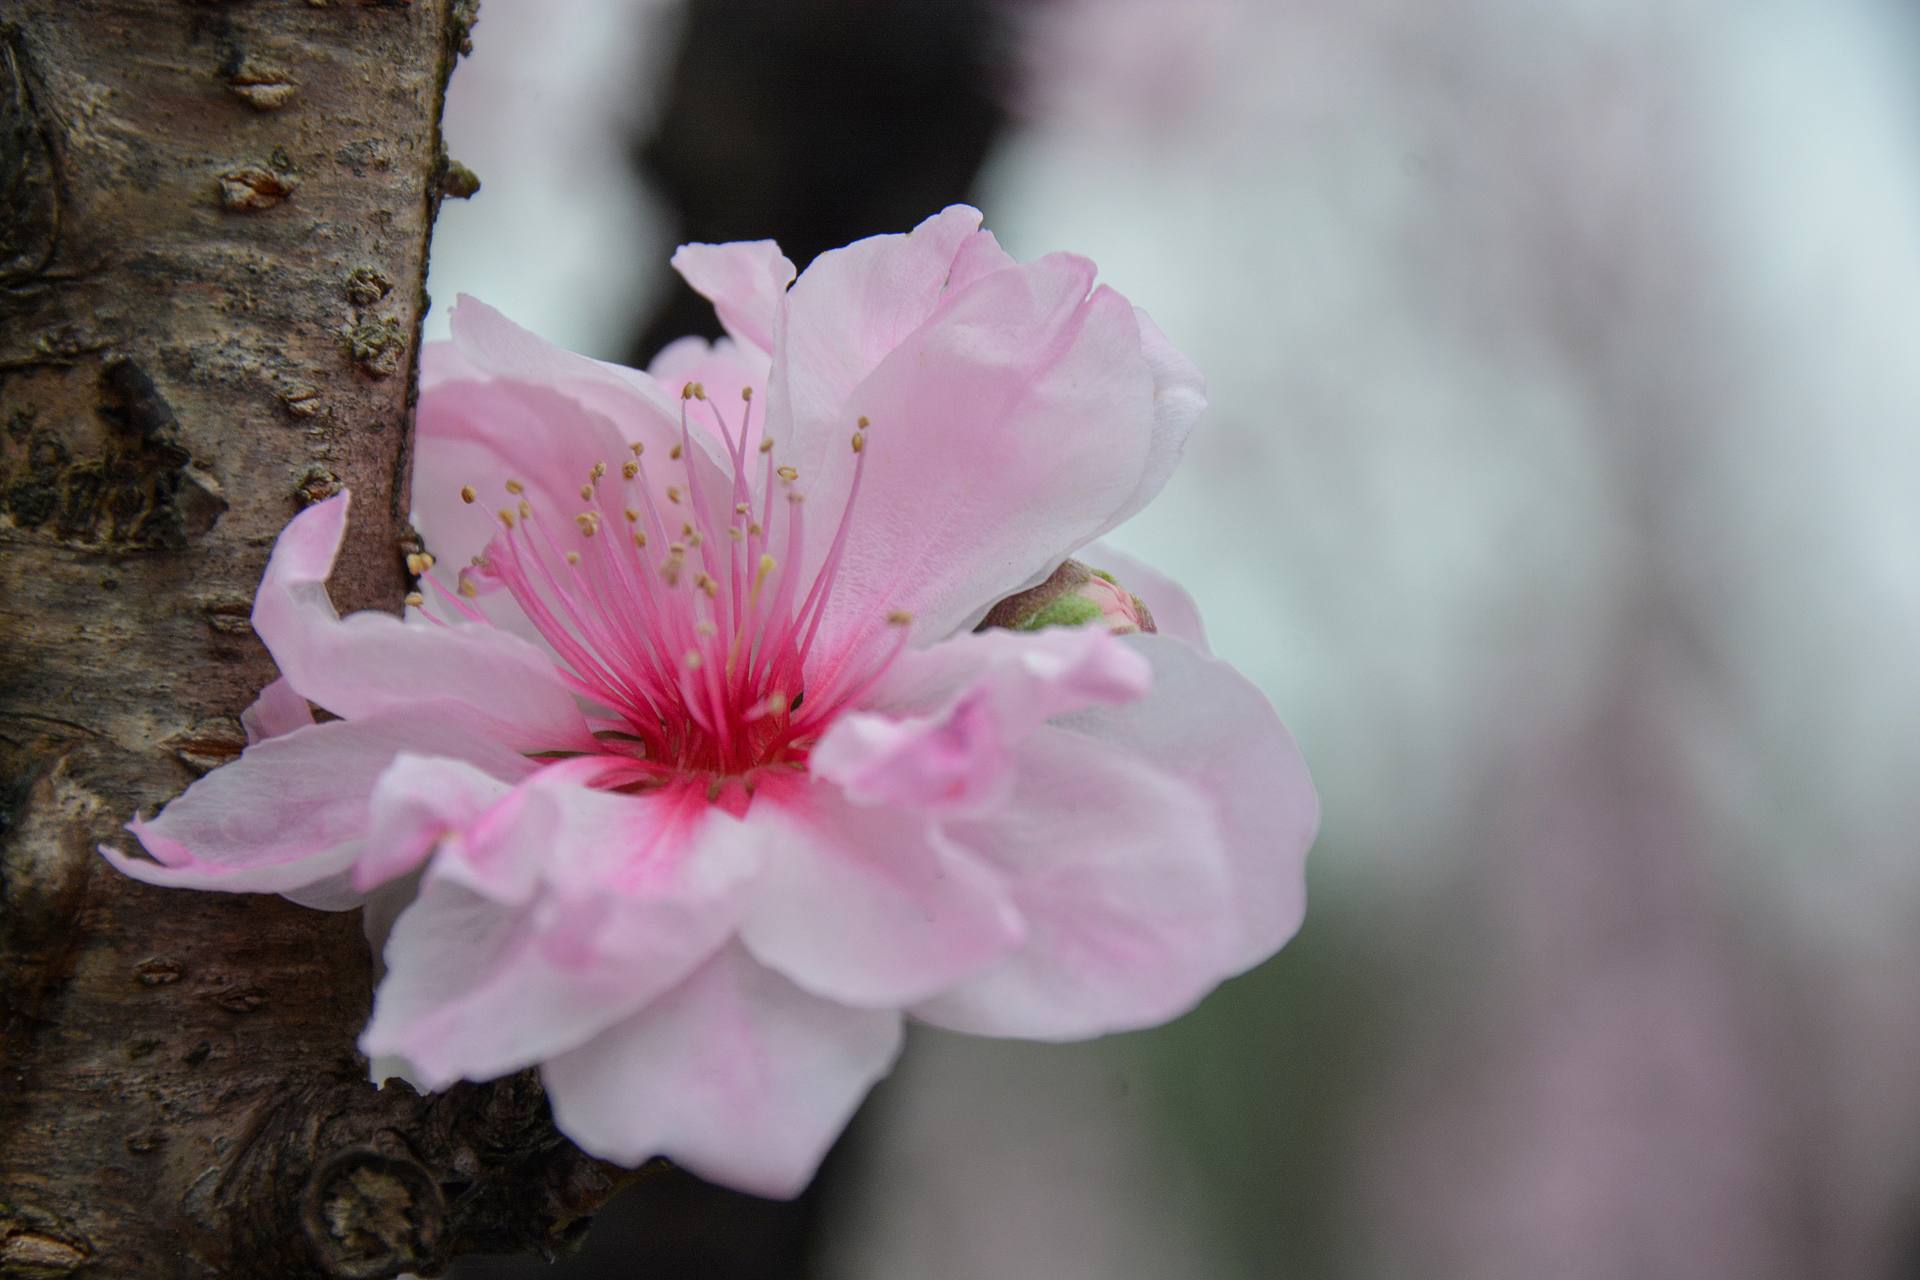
[213, 238]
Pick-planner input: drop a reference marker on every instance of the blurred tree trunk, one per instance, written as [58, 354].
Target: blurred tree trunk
[213, 238]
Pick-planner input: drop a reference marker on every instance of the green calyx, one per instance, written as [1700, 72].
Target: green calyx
[1062, 611]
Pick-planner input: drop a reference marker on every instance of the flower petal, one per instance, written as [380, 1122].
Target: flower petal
[1174, 612]
[869, 907]
[477, 987]
[418, 802]
[956, 711]
[277, 710]
[1206, 724]
[736, 1074]
[1118, 872]
[292, 810]
[369, 662]
[1006, 432]
[745, 280]
[848, 310]
[1179, 398]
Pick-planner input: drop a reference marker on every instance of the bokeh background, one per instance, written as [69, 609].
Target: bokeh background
[1562, 489]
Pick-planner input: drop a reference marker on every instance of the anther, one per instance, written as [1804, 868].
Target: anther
[589, 523]
[746, 393]
[633, 517]
[629, 469]
[766, 444]
[638, 448]
[599, 469]
[573, 557]
[586, 493]
[789, 474]
[526, 508]
[639, 538]
[754, 529]
[673, 493]
[467, 588]
[699, 391]
[741, 508]
[506, 517]
[693, 660]
[899, 618]
[417, 564]
[674, 453]
[415, 599]
[704, 628]
[864, 422]
[467, 494]
[733, 531]
[859, 442]
[515, 487]
[686, 391]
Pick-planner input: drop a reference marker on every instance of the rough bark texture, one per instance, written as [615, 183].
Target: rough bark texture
[213, 232]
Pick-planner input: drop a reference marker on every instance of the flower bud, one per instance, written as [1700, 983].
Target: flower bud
[1075, 596]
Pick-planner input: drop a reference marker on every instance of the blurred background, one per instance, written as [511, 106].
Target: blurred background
[1560, 490]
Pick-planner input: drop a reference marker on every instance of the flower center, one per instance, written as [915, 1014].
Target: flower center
[682, 618]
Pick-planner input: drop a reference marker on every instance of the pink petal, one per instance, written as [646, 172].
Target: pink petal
[1118, 872]
[1208, 725]
[1006, 432]
[277, 710]
[736, 1074]
[477, 987]
[1179, 398]
[955, 712]
[746, 282]
[292, 810]
[418, 802]
[979, 255]
[1174, 612]
[488, 341]
[869, 907]
[370, 663]
[848, 310]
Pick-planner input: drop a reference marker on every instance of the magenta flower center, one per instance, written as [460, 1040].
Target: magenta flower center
[684, 618]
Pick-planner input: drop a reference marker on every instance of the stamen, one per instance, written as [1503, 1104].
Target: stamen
[467, 495]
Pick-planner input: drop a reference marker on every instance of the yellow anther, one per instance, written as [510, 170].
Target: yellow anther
[416, 565]
[766, 444]
[693, 539]
[526, 508]
[633, 517]
[467, 495]
[573, 557]
[693, 660]
[686, 391]
[514, 486]
[706, 584]
[673, 493]
[789, 474]
[589, 523]
[699, 391]
[675, 453]
[765, 567]
[900, 618]
[776, 703]
[703, 628]
[733, 531]
[467, 589]
[629, 469]
[415, 599]
[506, 517]
[637, 448]
[670, 570]
[639, 538]
[864, 422]
[754, 529]
[677, 549]
[586, 493]
[686, 531]
[426, 558]
[741, 508]
[599, 469]
[859, 442]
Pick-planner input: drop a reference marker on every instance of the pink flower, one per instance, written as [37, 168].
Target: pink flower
[706, 775]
